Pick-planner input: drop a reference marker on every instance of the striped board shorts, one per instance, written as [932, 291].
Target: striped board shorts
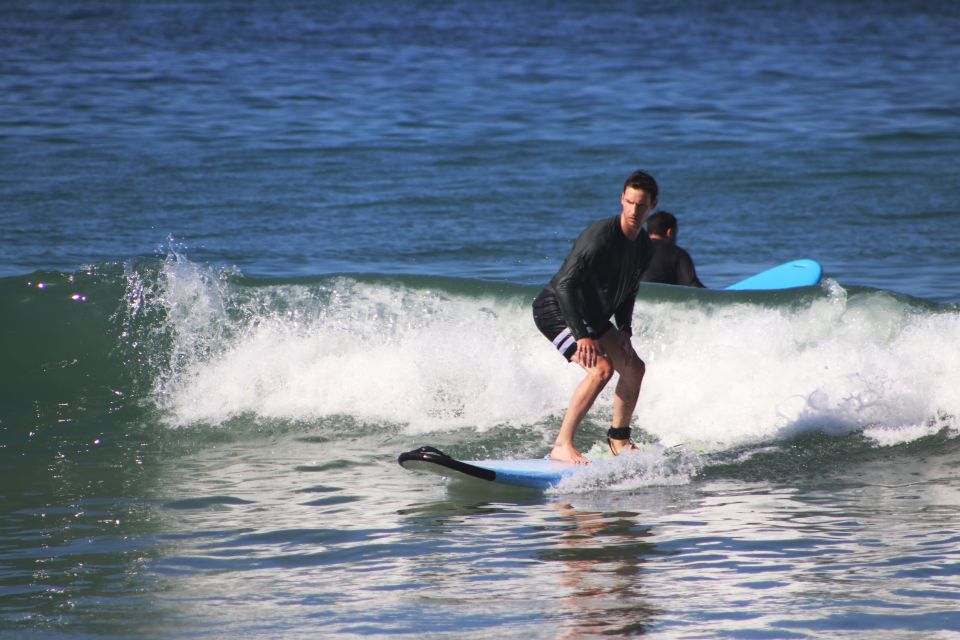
[549, 319]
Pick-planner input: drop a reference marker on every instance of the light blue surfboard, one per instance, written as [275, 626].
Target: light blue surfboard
[796, 273]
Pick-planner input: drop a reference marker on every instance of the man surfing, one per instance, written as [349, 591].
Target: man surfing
[600, 278]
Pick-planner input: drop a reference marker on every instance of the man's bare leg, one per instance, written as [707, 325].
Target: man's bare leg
[583, 398]
[631, 369]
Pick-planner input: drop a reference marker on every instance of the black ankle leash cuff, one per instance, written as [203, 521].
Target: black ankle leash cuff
[619, 433]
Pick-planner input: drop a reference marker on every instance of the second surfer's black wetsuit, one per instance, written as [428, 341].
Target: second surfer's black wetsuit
[599, 278]
[671, 265]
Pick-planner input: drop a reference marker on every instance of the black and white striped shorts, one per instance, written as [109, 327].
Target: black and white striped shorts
[547, 316]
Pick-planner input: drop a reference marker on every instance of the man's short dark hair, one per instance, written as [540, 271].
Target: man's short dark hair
[642, 180]
[660, 222]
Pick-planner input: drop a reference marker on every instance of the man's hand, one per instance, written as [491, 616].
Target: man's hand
[587, 352]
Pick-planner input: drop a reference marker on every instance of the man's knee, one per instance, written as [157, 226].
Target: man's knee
[634, 370]
[603, 370]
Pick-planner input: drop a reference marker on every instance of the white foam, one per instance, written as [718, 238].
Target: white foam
[416, 357]
[653, 466]
[746, 373]
[718, 374]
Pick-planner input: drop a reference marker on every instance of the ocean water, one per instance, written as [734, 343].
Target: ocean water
[253, 251]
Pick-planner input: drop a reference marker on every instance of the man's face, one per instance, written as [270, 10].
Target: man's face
[637, 205]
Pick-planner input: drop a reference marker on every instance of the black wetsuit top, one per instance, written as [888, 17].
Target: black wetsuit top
[600, 277]
[671, 265]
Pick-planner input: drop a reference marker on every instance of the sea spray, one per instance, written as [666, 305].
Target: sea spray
[433, 355]
[729, 374]
[654, 465]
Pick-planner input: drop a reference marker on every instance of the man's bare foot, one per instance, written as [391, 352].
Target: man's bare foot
[567, 453]
[622, 446]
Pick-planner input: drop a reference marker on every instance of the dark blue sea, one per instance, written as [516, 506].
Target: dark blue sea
[252, 251]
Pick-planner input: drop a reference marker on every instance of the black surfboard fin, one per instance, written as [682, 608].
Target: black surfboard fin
[432, 456]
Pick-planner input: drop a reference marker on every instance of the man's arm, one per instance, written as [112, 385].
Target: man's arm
[574, 276]
[568, 286]
[624, 313]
